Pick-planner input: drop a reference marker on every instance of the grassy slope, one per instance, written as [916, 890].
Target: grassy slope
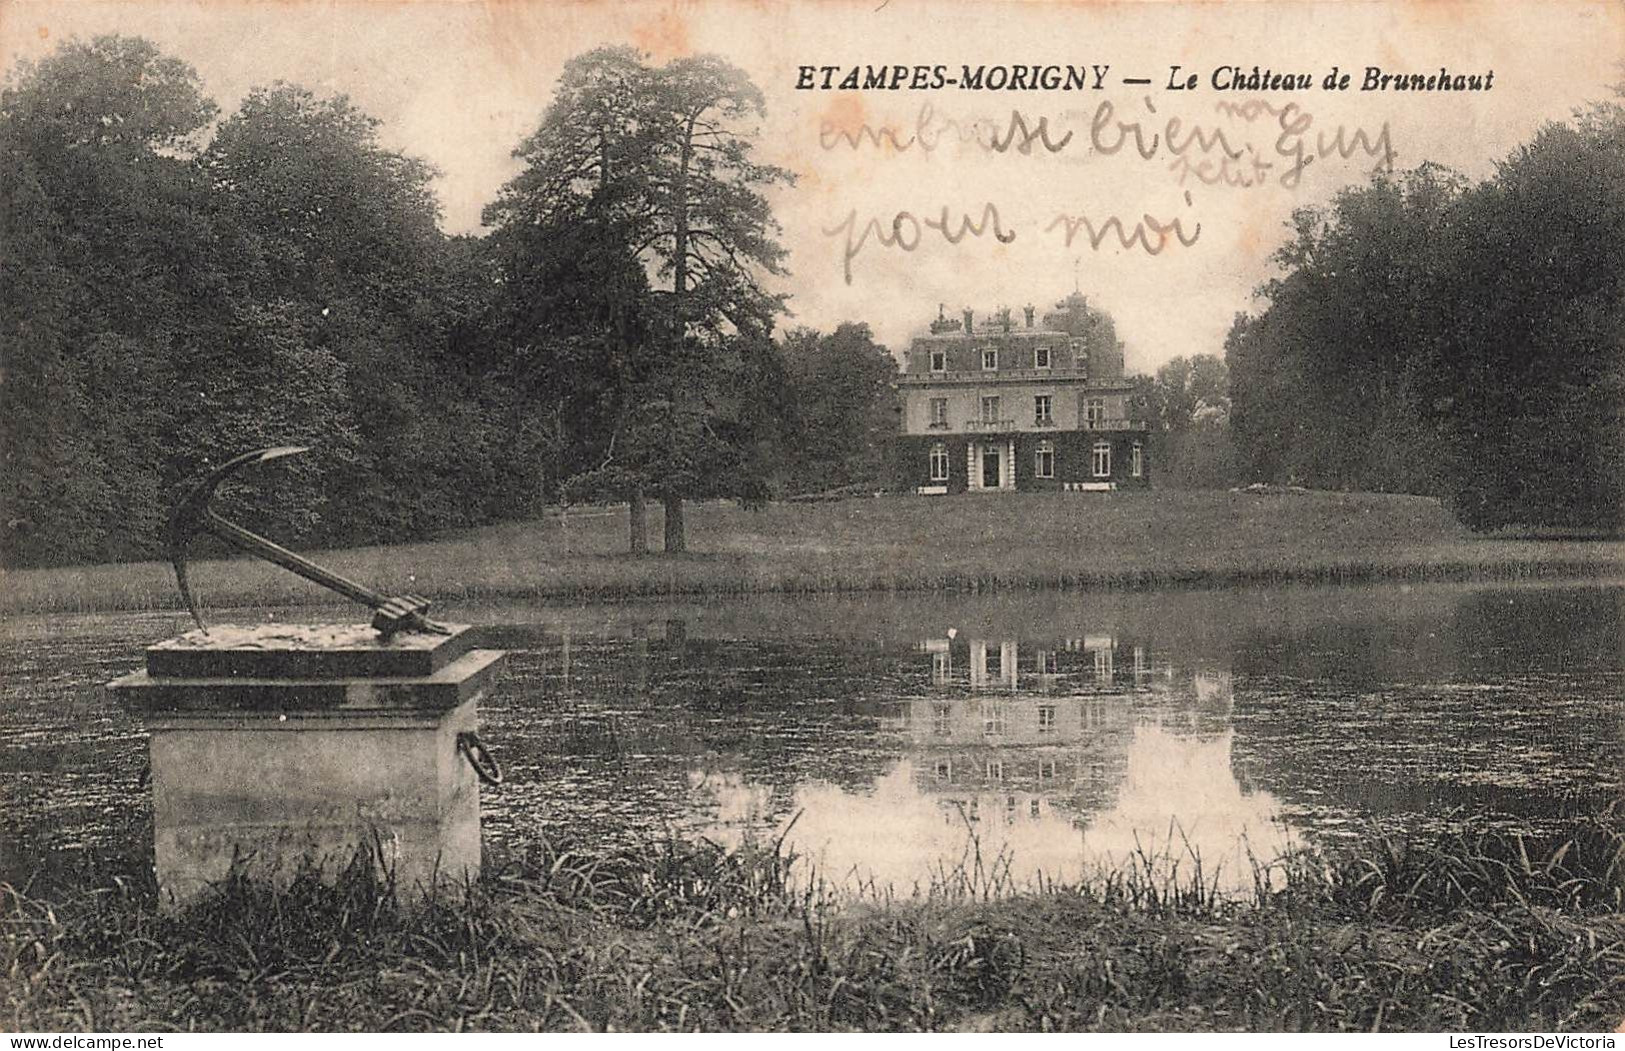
[1133, 539]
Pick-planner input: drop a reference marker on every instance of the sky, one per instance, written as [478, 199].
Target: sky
[461, 83]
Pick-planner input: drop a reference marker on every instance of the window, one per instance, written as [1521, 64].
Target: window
[1046, 718]
[1102, 459]
[1136, 462]
[939, 462]
[1094, 411]
[1041, 357]
[939, 413]
[1044, 460]
[990, 358]
[990, 409]
[995, 769]
[1042, 409]
[992, 719]
[942, 719]
[1104, 670]
[945, 769]
[1046, 769]
[939, 361]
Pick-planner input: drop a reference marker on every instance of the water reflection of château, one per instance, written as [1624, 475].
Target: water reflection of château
[888, 756]
[1041, 731]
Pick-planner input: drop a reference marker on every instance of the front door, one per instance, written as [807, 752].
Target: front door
[990, 467]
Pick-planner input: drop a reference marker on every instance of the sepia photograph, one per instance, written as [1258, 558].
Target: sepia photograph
[873, 516]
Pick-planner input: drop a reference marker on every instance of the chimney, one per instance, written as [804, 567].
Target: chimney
[1028, 310]
[1004, 318]
[968, 317]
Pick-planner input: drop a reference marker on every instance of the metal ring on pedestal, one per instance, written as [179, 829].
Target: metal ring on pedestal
[480, 757]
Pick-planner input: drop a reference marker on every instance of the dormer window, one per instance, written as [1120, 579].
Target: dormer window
[990, 358]
[1041, 356]
[939, 361]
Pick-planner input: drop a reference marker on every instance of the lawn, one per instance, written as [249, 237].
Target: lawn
[973, 541]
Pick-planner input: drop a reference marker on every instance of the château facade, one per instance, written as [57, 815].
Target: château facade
[995, 406]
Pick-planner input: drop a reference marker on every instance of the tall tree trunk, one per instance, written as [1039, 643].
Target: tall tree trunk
[676, 539]
[676, 536]
[679, 248]
[637, 522]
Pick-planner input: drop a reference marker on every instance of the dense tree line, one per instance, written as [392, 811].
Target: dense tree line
[177, 286]
[1433, 335]
[169, 301]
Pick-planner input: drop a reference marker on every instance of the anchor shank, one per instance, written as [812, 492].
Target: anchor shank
[233, 533]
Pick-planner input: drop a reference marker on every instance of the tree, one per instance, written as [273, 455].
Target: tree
[53, 485]
[657, 163]
[166, 302]
[1264, 422]
[1323, 382]
[1186, 410]
[570, 309]
[573, 305]
[112, 271]
[1527, 378]
[844, 407]
[711, 230]
[1188, 385]
[349, 261]
[1431, 336]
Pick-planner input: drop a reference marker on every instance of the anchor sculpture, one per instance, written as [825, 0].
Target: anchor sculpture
[391, 613]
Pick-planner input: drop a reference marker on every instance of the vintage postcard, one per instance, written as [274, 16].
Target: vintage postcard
[889, 515]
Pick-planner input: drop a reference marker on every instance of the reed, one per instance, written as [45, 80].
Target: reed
[1479, 930]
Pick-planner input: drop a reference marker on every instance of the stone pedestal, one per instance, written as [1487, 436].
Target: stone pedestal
[279, 744]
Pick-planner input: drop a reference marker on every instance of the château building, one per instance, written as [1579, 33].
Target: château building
[997, 406]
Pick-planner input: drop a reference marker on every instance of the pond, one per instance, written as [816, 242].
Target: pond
[897, 736]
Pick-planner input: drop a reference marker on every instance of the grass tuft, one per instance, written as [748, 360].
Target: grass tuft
[1479, 930]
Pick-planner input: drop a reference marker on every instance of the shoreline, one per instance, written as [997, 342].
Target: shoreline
[291, 595]
[1019, 542]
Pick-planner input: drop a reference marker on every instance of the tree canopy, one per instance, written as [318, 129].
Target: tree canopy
[170, 301]
[843, 408]
[646, 168]
[1431, 335]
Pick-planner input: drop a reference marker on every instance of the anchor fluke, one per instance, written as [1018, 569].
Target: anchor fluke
[391, 613]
